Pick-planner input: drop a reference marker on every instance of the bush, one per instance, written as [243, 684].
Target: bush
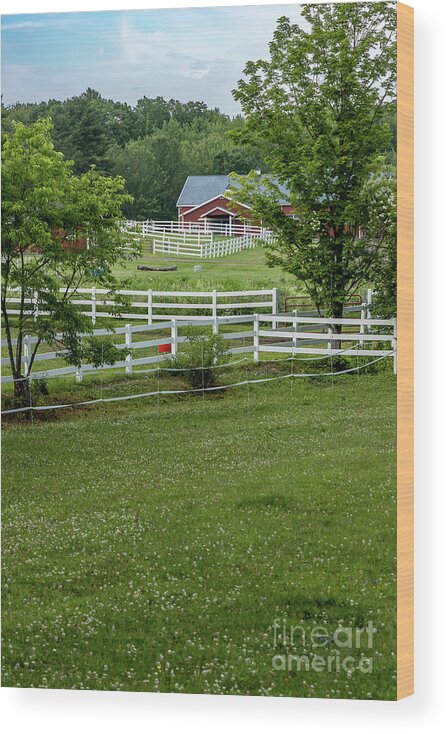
[39, 386]
[336, 364]
[197, 362]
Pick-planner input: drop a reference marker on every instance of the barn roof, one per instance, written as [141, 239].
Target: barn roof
[198, 189]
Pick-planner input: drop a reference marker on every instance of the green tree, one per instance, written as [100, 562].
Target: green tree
[120, 122]
[154, 171]
[209, 148]
[81, 132]
[172, 139]
[318, 109]
[383, 193]
[45, 210]
[150, 115]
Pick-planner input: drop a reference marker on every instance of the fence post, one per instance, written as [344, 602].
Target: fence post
[369, 294]
[256, 337]
[149, 307]
[214, 305]
[295, 328]
[93, 305]
[329, 344]
[275, 305]
[174, 337]
[26, 354]
[369, 301]
[394, 343]
[128, 340]
[362, 316]
[79, 374]
[36, 305]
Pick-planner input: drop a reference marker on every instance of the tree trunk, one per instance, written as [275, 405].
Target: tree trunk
[22, 393]
[337, 313]
[338, 281]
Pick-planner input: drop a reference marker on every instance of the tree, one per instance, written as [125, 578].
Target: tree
[154, 171]
[47, 210]
[383, 193]
[318, 108]
[208, 148]
[120, 121]
[154, 145]
[150, 115]
[86, 132]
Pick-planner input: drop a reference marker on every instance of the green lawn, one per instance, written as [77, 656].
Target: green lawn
[246, 270]
[152, 545]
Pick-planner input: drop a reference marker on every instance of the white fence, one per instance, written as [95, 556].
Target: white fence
[183, 245]
[153, 305]
[204, 226]
[202, 240]
[271, 334]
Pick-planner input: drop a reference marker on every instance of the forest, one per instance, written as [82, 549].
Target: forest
[154, 145]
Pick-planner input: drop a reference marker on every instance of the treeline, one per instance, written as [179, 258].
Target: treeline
[154, 145]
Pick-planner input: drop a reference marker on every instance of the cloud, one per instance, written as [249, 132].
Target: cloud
[20, 73]
[186, 54]
[137, 47]
[178, 51]
[157, 51]
[31, 24]
[196, 70]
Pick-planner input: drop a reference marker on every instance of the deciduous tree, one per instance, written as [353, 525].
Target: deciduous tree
[46, 211]
[319, 107]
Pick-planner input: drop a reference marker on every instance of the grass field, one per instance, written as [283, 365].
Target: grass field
[246, 270]
[153, 544]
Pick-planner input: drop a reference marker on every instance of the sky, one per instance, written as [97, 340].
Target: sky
[180, 53]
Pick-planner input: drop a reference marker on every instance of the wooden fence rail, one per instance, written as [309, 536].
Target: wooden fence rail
[151, 226]
[198, 239]
[201, 247]
[267, 333]
[151, 306]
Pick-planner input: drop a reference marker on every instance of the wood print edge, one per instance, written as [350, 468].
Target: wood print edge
[405, 377]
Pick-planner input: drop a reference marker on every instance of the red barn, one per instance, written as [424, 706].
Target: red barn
[203, 201]
[70, 243]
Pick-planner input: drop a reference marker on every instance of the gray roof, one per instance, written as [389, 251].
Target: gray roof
[198, 189]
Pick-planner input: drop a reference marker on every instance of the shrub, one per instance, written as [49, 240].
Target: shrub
[199, 358]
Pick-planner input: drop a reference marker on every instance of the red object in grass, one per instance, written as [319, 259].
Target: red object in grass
[164, 348]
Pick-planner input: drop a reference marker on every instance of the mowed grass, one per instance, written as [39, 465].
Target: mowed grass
[151, 545]
[245, 270]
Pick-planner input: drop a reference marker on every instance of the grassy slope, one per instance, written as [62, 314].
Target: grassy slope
[151, 546]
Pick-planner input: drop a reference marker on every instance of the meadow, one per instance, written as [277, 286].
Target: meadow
[153, 545]
[246, 270]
